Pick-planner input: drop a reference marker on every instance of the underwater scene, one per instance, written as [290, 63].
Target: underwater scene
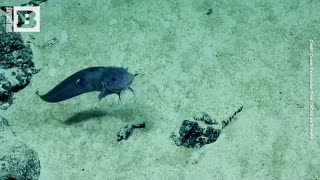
[159, 90]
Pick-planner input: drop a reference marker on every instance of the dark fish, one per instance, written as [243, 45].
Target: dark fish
[107, 80]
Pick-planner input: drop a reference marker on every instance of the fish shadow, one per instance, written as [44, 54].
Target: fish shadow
[85, 116]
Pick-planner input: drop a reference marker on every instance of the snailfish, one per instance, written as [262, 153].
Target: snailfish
[106, 80]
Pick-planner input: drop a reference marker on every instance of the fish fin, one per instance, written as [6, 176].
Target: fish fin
[132, 91]
[104, 92]
[37, 93]
[119, 95]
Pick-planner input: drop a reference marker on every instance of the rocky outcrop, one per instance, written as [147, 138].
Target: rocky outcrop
[16, 65]
[17, 160]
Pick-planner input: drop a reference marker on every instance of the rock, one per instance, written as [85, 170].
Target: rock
[5, 93]
[208, 11]
[202, 116]
[125, 132]
[212, 134]
[227, 121]
[50, 43]
[35, 2]
[192, 135]
[17, 160]
[16, 65]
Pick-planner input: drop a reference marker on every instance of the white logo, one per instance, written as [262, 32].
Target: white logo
[31, 21]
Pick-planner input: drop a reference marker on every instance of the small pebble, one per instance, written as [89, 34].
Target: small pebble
[208, 11]
[124, 132]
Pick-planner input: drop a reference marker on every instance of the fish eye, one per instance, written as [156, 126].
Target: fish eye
[113, 79]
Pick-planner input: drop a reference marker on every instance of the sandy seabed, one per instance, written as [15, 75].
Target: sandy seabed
[250, 53]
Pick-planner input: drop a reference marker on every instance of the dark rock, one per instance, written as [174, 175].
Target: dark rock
[30, 3]
[212, 134]
[208, 11]
[189, 133]
[17, 161]
[192, 135]
[36, 2]
[190, 128]
[140, 125]
[226, 122]
[202, 116]
[16, 65]
[5, 93]
[125, 132]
